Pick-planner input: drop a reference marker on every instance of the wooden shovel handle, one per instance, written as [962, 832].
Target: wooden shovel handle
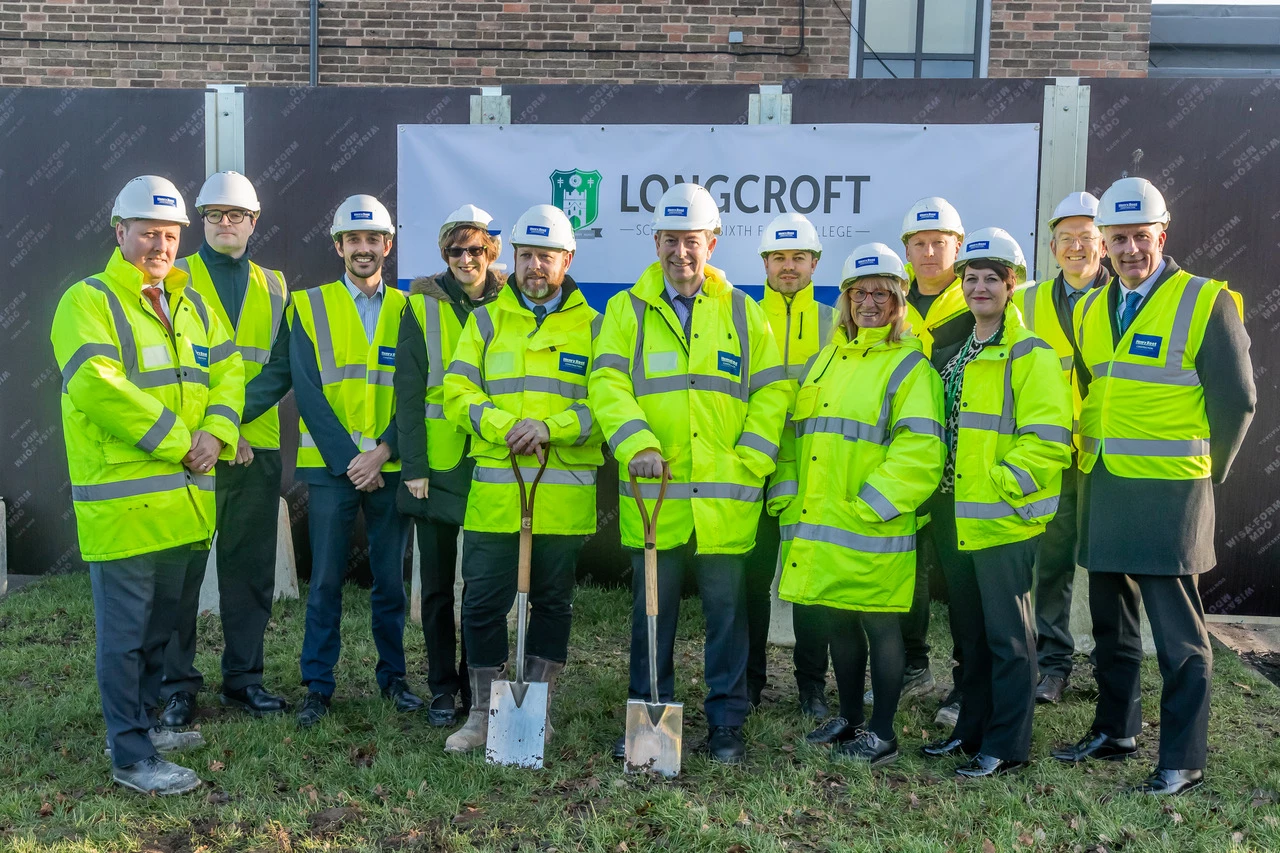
[526, 520]
[651, 539]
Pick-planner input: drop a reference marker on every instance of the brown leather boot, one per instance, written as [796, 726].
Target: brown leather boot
[475, 731]
[541, 669]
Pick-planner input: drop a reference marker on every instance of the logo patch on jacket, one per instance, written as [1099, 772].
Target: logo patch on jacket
[730, 363]
[1148, 345]
[571, 363]
[201, 354]
[387, 356]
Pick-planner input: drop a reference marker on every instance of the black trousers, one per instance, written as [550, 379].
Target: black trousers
[1055, 575]
[915, 623]
[248, 498]
[855, 636]
[438, 560]
[1182, 649]
[721, 583]
[490, 563]
[333, 509]
[810, 652]
[992, 619]
[135, 602]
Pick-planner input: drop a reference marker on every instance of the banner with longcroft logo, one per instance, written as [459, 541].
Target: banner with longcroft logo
[854, 182]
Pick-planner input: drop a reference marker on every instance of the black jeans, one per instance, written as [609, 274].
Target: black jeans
[1055, 574]
[248, 498]
[438, 560]
[490, 563]
[721, 582]
[992, 619]
[810, 652]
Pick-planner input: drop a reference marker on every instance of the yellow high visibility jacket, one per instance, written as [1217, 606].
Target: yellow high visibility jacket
[801, 326]
[442, 330]
[713, 404]
[507, 368]
[868, 451]
[1145, 408]
[356, 373]
[1014, 440]
[949, 305]
[132, 395]
[254, 332]
[1039, 314]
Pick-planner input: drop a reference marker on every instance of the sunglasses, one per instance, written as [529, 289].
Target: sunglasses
[235, 217]
[879, 297]
[456, 252]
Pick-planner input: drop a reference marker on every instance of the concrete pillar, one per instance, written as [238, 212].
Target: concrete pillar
[286, 567]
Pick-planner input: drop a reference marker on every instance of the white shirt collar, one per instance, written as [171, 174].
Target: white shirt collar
[357, 293]
[1145, 288]
[672, 293]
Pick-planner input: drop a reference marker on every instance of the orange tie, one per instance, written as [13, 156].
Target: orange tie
[154, 294]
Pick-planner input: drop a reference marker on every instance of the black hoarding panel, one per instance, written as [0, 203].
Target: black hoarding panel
[64, 154]
[1213, 148]
[617, 103]
[995, 101]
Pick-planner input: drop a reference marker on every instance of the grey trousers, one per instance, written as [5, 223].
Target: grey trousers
[135, 605]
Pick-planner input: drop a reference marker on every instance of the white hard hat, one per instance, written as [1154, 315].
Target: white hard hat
[872, 259]
[362, 213]
[150, 197]
[468, 214]
[230, 188]
[1132, 201]
[790, 232]
[932, 214]
[544, 225]
[687, 207]
[994, 244]
[1076, 204]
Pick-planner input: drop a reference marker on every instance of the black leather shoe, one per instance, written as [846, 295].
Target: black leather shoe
[814, 704]
[442, 711]
[314, 708]
[948, 747]
[867, 748]
[834, 730]
[256, 701]
[1049, 690]
[1099, 746]
[726, 745]
[179, 711]
[1164, 781]
[986, 766]
[398, 691]
[620, 748]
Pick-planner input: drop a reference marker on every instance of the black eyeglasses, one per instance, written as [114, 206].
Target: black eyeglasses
[879, 297]
[456, 252]
[235, 217]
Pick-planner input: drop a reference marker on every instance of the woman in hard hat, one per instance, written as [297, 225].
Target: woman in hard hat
[867, 452]
[1008, 434]
[436, 468]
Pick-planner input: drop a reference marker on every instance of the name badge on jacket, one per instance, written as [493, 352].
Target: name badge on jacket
[571, 363]
[387, 356]
[201, 354]
[1146, 345]
[730, 363]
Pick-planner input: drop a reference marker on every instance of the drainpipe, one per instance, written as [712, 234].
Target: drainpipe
[315, 42]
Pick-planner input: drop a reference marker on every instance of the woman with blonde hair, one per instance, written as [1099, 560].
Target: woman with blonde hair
[867, 451]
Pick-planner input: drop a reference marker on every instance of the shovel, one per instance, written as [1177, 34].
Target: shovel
[654, 729]
[518, 709]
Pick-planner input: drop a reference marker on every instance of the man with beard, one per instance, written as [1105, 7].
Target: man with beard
[518, 386]
[436, 469]
[343, 353]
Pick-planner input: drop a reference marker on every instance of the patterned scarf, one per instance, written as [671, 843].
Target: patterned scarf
[952, 385]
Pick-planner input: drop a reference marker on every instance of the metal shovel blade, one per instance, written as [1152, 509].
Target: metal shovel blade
[517, 723]
[654, 735]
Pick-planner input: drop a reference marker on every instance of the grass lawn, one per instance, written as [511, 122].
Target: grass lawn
[369, 779]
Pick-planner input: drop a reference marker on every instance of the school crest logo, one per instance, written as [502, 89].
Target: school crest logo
[577, 193]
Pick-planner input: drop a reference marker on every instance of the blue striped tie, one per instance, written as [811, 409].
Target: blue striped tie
[1131, 301]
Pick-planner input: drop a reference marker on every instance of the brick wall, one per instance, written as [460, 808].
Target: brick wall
[1063, 38]
[188, 43]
